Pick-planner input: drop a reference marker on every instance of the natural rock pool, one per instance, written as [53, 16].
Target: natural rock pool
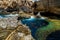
[34, 24]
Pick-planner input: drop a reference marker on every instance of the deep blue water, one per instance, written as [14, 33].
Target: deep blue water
[54, 36]
[34, 24]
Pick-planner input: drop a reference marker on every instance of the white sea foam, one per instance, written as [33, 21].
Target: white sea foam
[35, 0]
[32, 17]
[12, 15]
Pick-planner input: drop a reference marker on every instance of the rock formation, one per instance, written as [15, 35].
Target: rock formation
[16, 5]
[12, 29]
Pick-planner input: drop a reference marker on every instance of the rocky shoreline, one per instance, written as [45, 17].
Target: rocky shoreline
[11, 28]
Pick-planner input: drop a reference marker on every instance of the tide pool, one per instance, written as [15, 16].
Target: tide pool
[34, 24]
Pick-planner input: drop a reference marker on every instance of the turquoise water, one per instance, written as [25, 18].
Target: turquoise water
[2, 16]
[34, 24]
[7, 15]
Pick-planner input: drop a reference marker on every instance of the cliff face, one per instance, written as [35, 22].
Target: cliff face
[42, 5]
[50, 5]
[16, 5]
[9, 2]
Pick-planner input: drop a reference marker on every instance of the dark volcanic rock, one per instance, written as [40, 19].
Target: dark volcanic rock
[10, 9]
[26, 9]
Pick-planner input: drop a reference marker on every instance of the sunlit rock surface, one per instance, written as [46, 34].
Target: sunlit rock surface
[21, 33]
[8, 22]
[12, 29]
[52, 6]
[16, 5]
